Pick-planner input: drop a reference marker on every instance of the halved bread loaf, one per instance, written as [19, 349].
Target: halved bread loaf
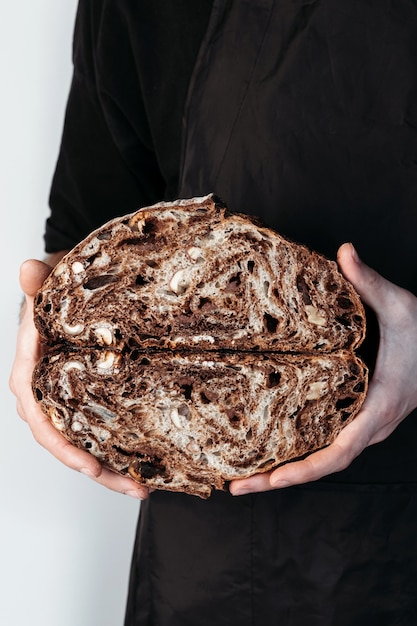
[189, 274]
[188, 421]
[189, 346]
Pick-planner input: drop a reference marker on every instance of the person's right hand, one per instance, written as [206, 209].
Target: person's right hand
[28, 352]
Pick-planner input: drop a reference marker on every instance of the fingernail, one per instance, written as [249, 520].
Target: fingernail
[87, 472]
[242, 491]
[134, 494]
[354, 254]
[280, 484]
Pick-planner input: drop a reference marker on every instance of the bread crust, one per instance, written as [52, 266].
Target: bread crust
[263, 329]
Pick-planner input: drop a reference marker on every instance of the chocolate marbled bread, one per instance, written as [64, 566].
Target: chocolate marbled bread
[189, 421]
[190, 274]
[187, 346]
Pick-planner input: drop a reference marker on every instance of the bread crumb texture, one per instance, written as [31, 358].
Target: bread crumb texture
[186, 346]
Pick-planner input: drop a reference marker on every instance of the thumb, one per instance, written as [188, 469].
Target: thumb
[374, 290]
[32, 276]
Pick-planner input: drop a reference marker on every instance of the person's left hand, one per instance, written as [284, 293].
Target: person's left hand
[28, 351]
[392, 392]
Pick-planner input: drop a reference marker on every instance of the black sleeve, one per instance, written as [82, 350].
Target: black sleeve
[106, 165]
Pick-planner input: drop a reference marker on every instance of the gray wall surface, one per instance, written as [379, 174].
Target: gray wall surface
[65, 542]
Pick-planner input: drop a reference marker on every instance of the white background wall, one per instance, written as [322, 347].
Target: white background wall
[65, 542]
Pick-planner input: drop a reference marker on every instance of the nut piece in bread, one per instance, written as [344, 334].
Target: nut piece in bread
[188, 346]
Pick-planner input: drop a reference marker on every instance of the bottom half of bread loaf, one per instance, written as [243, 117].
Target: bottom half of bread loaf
[192, 422]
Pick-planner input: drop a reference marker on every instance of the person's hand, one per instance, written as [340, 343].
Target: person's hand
[28, 351]
[392, 392]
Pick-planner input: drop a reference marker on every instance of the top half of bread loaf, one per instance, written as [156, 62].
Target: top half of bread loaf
[189, 274]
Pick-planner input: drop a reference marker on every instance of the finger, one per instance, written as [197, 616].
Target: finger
[122, 484]
[49, 438]
[32, 275]
[46, 435]
[336, 457]
[42, 429]
[316, 466]
[383, 408]
[253, 484]
[28, 351]
[350, 442]
[379, 293]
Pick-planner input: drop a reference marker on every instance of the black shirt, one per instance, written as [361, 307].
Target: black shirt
[303, 111]
[121, 143]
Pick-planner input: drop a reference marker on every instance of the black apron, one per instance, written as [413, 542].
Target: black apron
[303, 112]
